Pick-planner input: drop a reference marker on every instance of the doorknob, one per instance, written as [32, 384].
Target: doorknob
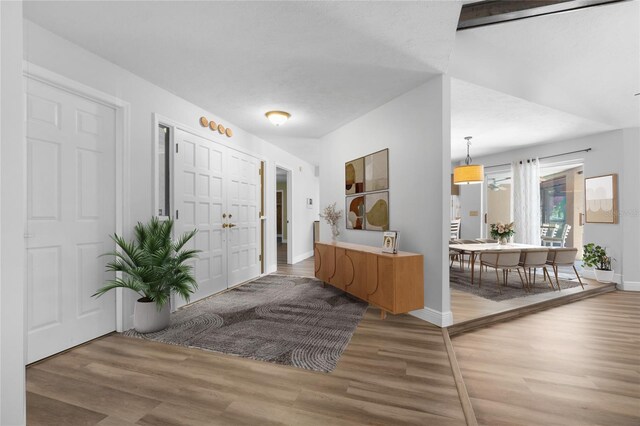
[225, 225]
[224, 215]
[231, 225]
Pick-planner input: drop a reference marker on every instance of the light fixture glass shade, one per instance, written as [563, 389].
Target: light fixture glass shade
[468, 174]
[278, 118]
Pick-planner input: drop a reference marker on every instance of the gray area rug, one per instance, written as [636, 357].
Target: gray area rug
[281, 319]
[461, 280]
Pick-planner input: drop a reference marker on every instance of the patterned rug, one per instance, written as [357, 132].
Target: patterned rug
[281, 319]
[461, 280]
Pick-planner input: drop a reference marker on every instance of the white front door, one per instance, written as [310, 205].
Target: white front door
[200, 195]
[244, 217]
[70, 215]
[217, 191]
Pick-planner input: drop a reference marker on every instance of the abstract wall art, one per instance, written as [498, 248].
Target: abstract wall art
[377, 211]
[601, 199]
[355, 212]
[354, 176]
[376, 171]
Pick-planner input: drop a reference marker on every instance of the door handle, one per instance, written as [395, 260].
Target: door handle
[225, 225]
[231, 225]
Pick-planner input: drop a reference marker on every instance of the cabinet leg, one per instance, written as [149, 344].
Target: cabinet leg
[324, 284]
[383, 314]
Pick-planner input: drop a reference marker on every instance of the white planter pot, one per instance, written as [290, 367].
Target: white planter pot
[603, 276]
[147, 318]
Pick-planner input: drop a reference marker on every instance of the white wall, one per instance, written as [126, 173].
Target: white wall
[49, 51]
[630, 209]
[12, 216]
[612, 152]
[416, 129]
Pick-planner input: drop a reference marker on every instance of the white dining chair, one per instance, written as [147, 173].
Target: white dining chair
[505, 260]
[534, 259]
[563, 257]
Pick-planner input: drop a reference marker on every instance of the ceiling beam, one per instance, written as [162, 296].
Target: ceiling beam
[490, 12]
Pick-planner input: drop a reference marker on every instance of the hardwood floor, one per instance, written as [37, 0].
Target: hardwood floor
[574, 364]
[304, 268]
[393, 372]
[467, 306]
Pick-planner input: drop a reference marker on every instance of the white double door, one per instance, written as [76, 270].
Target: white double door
[217, 191]
[70, 215]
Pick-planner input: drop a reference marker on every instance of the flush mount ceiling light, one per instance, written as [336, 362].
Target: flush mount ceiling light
[469, 173]
[277, 118]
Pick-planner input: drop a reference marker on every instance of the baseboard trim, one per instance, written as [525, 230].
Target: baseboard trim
[303, 256]
[629, 286]
[441, 319]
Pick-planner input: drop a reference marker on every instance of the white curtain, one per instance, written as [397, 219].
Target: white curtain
[526, 201]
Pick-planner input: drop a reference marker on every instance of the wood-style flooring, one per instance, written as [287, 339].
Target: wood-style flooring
[305, 268]
[393, 372]
[577, 364]
[467, 306]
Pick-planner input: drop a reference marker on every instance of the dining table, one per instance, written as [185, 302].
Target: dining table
[474, 249]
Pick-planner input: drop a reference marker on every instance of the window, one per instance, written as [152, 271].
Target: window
[164, 170]
[553, 201]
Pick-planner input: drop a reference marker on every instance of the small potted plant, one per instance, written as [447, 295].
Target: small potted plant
[502, 231]
[332, 217]
[596, 257]
[154, 266]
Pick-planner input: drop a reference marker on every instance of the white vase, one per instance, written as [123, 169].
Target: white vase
[503, 241]
[334, 233]
[604, 276]
[147, 318]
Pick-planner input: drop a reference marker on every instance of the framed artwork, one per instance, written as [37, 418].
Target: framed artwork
[601, 199]
[355, 212]
[354, 176]
[390, 242]
[376, 211]
[376, 171]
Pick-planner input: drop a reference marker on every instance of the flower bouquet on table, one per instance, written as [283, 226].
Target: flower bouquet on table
[502, 231]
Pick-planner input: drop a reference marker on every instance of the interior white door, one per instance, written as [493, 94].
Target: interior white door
[244, 217]
[70, 215]
[200, 197]
[217, 191]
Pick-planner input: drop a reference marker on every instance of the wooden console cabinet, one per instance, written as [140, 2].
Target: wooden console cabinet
[392, 282]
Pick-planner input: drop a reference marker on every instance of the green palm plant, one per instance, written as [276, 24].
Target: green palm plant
[153, 265]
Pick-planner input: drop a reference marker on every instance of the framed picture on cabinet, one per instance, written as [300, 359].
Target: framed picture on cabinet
[390, 242]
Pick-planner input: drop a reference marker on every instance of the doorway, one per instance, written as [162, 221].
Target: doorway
[283, 215]
[218, 191]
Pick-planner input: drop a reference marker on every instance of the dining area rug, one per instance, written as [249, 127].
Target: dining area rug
[277, 318]
[461, 280]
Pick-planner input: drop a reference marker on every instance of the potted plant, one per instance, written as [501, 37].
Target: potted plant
[596, 257]
[154, 266]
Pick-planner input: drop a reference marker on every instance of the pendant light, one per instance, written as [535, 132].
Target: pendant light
[469, 173]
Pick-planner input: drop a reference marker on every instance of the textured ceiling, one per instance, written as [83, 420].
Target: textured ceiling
[324, 62]
[499, 122]
[584, 62]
